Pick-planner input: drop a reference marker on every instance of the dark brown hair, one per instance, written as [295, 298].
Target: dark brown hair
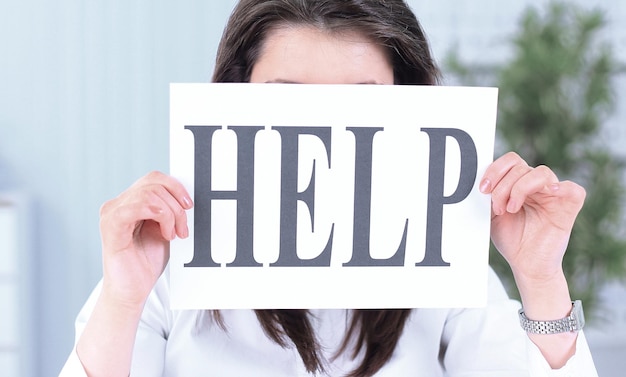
[389, 23]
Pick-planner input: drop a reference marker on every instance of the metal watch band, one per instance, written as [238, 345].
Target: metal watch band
[575, 321]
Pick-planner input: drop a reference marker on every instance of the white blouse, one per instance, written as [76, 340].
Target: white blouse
[435, 342]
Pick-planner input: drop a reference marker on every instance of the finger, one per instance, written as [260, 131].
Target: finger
[573, 193]
[121, 217]
[501, 192]
[538, 180]
[152, 203]
[171, 184]
[498, 169]
[179, 213]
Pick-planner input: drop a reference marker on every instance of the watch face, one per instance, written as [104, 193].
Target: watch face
[578, 315]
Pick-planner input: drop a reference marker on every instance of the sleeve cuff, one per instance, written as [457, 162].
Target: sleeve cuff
[579, 365]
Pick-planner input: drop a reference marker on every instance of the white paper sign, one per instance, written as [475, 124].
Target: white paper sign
[331, 196]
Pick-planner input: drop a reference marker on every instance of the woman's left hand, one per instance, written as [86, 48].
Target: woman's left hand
[532, 215]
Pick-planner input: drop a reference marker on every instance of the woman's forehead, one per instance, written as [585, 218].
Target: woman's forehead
[306, 54]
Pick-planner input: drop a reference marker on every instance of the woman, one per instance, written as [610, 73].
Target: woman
[126, 327]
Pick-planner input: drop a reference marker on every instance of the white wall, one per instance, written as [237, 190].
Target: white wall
[84, 112]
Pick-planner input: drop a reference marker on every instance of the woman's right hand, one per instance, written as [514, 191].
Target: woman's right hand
[136, 228]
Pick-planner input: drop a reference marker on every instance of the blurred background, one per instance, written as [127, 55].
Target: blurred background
[84, 97]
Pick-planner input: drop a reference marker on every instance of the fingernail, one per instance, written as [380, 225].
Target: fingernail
[186, 232]
[187, 202]
[485, 185]
[511, 207]
[555, 187]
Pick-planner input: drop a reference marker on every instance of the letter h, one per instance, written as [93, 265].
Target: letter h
[204, 195]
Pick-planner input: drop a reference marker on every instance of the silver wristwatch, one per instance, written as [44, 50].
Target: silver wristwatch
[575, 321]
